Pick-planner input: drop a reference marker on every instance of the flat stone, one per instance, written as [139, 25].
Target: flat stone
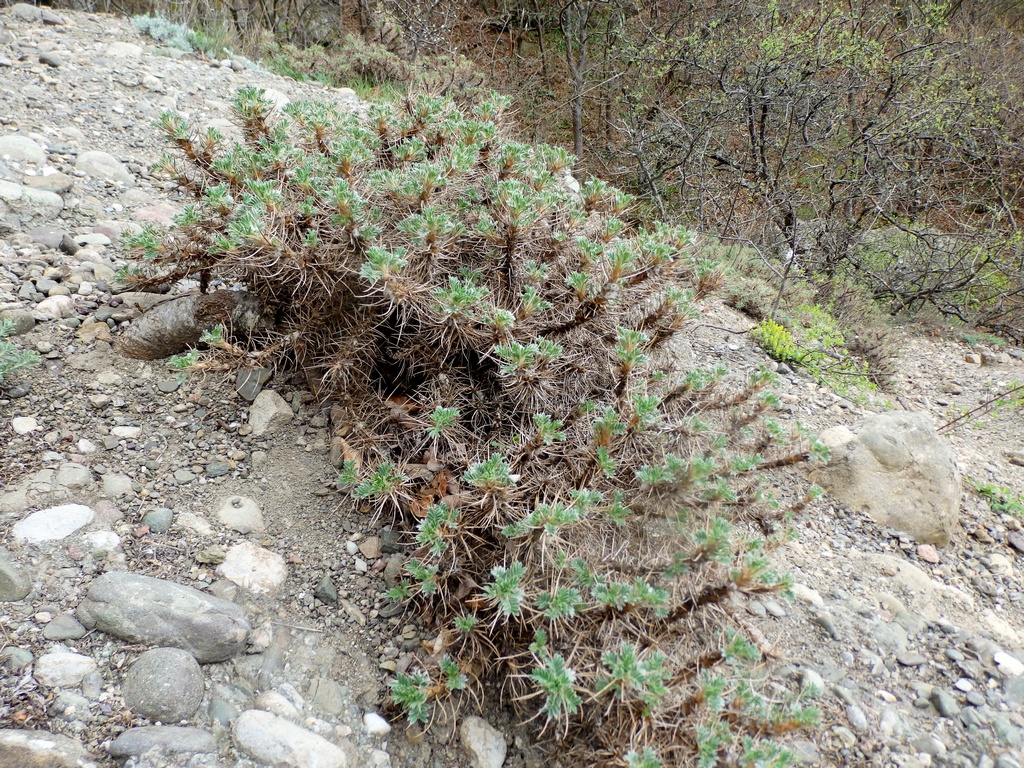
[22, 149]
[253, 568]
[152, 611]
[53, 524]
[325, 591]
[269, 413]
[58, 183]
[168, 385]
[910, 659]
[168, 739]
[1009, 666]
[75, 476]
[27, 206]
[944, 702]
[128, 433]
[62, 669]
[41, 749]
[165, 684]
[50, 59]
[15, 582]
[184, 476]
[63, 627]
[273, 740]
[217, 468]
[23, 425]
[242, 514]
[370, 547]
[483, 742]
[102, 165]
[249, 382]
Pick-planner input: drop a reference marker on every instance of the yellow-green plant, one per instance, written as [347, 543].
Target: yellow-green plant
[576, 510]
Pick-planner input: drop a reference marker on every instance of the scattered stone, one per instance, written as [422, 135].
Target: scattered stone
[21, 319]
[41, 749]
[944, 702]
[117, 486]
[64, 627]
[253, 568]
[144, 609]
[26, 12]
[211, 555]
[1009, 666]
[50, 59]
[276, 703]
[899, 472]
[56, 307]
[376, 725]
[165, 684]
[15, 583]
[158, 520]
[62, 669]
[928, 553]
[168, 385]
[325, 591]
[217, 468]
[910, 659]
[268, 413]
[249, 382]
[126, 50]
[102, 165]
[484, 743]
[53, 524]
[21, 149]
[242, 514]
[271, 739]
[184, 476]
[370, 548]
[23, 425]
[168, 739]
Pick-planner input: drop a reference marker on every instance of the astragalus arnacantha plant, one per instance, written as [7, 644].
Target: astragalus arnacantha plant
[497, 341]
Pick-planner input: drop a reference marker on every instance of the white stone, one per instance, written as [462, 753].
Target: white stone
[1000, 564]
[53, 524]
[242, 514]
[22, 425]
[253, 568]
[128, 433]
[62, 669]
[108, 541]
[268, 413]
[279, 99]
[86, 446]
[271, 739]
[376, 725]
[56, 307]
[484, 743]
[1008, 665]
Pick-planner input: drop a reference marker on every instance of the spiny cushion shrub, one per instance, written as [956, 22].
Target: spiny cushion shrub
[582, 512]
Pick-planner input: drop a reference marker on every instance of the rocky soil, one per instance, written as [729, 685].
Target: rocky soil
[182, 585]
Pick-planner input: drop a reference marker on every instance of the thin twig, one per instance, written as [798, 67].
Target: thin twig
[984, 407]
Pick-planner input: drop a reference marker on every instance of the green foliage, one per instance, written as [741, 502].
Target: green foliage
[491, 340]
[12, 359]
[160, 29]
[1001, 500]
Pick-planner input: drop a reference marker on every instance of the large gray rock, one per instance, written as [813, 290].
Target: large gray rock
[21, 149]
[22, 206]
[15, 582]
[26, 12]
[168, 739]
[40, 749]
[102, 165]
[143, 609]
[895, 468]
[165, 684]
[282, 744]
